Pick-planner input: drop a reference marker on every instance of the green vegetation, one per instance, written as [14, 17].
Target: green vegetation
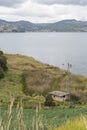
[31, 80]
[3, 64]
[77, 124]
[39, 119]
[49, 101]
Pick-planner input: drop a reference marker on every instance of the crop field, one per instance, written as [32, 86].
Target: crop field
[55, 117]
[48, 117]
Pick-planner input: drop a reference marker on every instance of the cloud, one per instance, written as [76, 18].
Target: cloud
[42, 13]
[9, 3]
[65, 2]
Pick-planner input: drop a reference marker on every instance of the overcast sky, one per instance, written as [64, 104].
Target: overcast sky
[43, 10]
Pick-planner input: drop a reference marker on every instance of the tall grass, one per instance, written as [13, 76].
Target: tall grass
[7, 121]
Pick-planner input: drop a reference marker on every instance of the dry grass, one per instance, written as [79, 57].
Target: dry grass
[28, 76]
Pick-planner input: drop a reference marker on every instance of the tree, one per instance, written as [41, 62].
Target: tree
[3, 64]
[1, 53]
[1, 73]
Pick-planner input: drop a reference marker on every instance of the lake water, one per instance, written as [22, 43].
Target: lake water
[52, 48]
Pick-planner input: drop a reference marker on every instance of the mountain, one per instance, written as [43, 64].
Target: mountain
[71, 25]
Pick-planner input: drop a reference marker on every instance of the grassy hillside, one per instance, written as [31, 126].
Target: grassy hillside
[27, 77]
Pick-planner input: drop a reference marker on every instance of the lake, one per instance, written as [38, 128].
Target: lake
[52, 48]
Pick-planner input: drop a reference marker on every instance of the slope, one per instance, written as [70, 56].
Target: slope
[26, 77]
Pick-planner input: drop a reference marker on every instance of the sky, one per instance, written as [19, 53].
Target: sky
[43, 11]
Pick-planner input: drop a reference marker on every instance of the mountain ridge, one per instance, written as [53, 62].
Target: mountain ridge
[70, 25]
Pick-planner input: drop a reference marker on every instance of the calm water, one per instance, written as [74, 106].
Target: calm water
[52, 48]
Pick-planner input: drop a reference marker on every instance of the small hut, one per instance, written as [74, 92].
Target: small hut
[59, 95]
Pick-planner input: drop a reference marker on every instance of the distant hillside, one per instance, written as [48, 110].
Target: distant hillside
[61, 26]
[27, 77]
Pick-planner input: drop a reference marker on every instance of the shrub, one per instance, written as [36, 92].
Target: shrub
[49, 101]
[1, 73]
[3, 62]
[1, 52]
[75, 98]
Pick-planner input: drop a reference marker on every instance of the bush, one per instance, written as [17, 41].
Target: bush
[1, 52]
[1, 73]
[49, 101]
[3, 62]
[75, 98]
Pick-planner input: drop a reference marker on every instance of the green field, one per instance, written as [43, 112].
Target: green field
[50, 118]
[55, 117]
